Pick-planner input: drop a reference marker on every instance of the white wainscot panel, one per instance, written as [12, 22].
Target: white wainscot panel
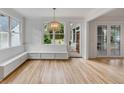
[47, 56]
[34, 56]
[61, 56]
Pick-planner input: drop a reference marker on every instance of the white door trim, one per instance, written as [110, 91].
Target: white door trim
[108, 36]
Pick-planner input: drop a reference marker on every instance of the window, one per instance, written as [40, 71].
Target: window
[9, 32]
[4, 31]
[51, 37]
[15, 32]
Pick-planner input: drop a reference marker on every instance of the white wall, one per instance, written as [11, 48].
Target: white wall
[34, 34]
[8, 53]
[92, 34]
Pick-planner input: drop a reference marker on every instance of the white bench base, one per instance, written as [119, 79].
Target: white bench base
[34, 55]
[9, 66]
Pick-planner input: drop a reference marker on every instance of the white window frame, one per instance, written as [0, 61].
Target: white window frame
[53, 34]
[9, 31]
[10, 18]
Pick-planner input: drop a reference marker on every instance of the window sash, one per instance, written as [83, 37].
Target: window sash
[15, 32]
[10, 32]
[46, 32]
[54, 39]
[4, 32]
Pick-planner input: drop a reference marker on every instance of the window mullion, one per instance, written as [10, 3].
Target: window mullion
[10, 32]
[20, 34]
[53, 37]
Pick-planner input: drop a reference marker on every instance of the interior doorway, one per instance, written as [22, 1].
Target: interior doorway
[74, 42]
[108, 40]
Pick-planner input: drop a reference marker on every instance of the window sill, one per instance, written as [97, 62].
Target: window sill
[54, 44]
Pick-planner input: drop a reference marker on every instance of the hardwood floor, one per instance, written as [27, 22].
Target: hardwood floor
[73, 71]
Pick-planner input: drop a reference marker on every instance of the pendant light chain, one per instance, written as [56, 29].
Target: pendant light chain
[54, 14]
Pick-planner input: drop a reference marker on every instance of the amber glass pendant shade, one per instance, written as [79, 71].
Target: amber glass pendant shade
[54, 26]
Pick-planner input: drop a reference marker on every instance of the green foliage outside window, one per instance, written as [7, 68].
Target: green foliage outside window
[47, 39]
[57, 37]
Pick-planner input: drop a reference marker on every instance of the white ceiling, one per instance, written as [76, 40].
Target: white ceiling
[119, 12]
[60, 12]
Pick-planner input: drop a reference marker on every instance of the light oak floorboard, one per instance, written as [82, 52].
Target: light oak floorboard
[72, 71]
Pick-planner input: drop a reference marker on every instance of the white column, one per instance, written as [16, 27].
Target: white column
[86, 40]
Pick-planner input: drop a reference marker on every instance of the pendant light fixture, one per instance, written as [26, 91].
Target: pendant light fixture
[54, 25]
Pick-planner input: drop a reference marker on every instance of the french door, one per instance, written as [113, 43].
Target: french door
[74, 42]
[108, 40]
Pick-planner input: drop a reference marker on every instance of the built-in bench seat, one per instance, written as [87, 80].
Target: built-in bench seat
[48, 55]
[10, 65]
[6, 67]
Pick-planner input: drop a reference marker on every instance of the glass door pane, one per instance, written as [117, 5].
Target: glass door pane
[115, 40]
[102, 40]
[74, 43]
